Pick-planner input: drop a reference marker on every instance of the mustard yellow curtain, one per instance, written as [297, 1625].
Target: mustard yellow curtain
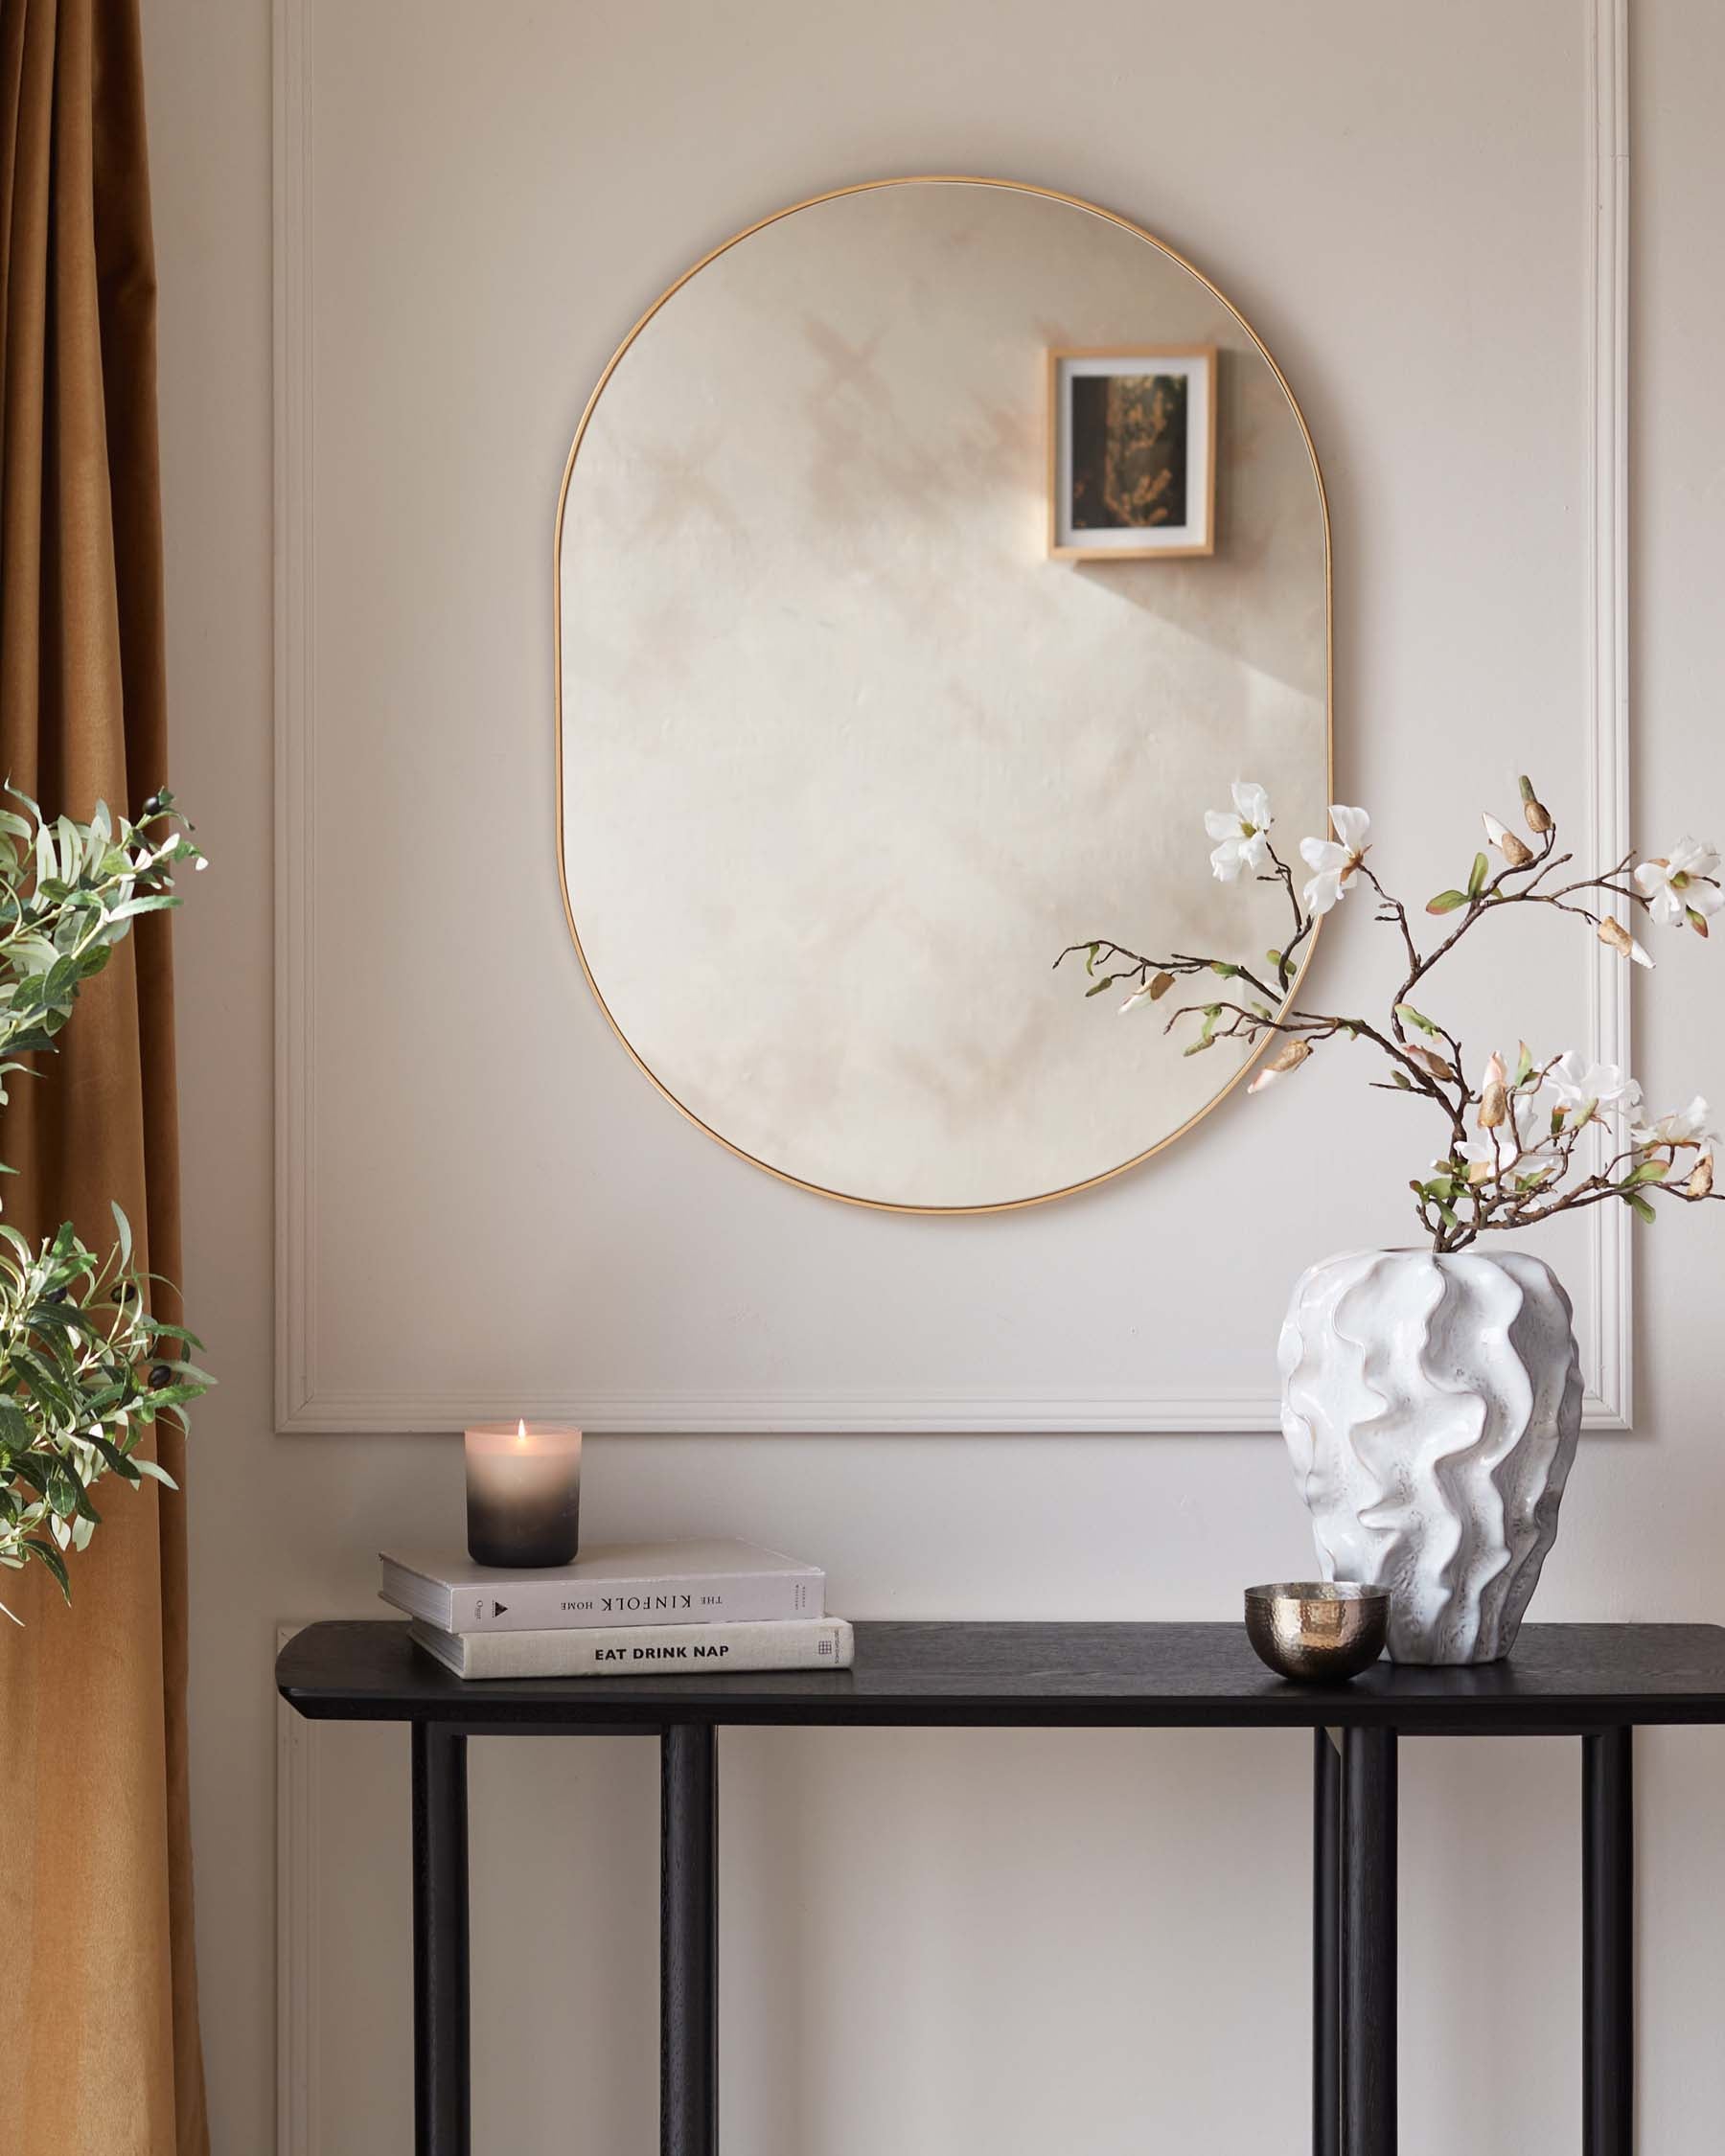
[96, 1910]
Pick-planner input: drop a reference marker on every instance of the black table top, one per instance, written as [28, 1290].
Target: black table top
[1561, 1677]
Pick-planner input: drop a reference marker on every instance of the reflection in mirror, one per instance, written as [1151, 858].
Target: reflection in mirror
[931, 559]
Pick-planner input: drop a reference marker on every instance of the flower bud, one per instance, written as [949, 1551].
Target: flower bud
[1513, 851]
[1288, 1057]
[1494, 1104]
[1538, 817]
[1430, 1062]
[1615, 938]
[1700, 1182]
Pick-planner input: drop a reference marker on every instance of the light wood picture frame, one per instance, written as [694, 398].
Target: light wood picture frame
[1132, 452]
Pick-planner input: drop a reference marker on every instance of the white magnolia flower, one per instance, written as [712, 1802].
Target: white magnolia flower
[1686, 880]
[1335, 859]
[1574, 1080]
[1683, 1126]
[1244, 835]
[1522, 1141]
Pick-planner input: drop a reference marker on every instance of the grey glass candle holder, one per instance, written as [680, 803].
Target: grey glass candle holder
[523, 1495]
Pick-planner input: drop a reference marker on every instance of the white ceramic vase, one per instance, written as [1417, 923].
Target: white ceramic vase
[1432, 1406]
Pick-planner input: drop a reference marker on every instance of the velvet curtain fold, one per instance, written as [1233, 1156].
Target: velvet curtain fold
[95, 1954]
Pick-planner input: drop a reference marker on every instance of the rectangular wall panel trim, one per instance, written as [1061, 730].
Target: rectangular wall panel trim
[304, 1401]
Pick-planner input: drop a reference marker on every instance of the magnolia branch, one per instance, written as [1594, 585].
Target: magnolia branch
[1514, 1139]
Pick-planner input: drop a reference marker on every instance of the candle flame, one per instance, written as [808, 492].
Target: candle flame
[522, 1431]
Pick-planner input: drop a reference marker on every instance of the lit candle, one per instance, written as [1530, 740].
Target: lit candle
[524, 1492]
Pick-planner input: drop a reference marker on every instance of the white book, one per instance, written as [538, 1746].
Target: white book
[642, 1650]
[697, 1582]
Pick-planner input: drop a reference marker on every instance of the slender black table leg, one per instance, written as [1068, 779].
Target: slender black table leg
[1608, 1943]
[1327, 1945]
[689, 1941]
[442, 2103]
[1368, 1942]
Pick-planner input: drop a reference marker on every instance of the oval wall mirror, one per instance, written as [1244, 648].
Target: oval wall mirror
[929, 559]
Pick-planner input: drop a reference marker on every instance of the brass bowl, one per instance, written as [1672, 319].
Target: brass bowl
[1317, 1631]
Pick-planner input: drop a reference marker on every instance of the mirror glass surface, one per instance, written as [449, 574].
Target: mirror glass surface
[848, 751]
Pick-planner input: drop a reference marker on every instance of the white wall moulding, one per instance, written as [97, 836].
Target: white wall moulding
[296, 1931]
[295, 921]
[1609, 1294]
[351, 1356]
[831, 1414]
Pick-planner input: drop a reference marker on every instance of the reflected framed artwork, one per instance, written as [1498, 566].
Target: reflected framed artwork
[1132, 453]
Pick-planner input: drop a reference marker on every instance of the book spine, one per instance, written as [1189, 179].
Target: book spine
[558, 1606]
[661, 1650]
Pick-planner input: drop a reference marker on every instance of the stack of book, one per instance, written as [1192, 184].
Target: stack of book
[629, 1610]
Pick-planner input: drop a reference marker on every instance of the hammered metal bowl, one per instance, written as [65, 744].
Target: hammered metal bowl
[1317, 1631]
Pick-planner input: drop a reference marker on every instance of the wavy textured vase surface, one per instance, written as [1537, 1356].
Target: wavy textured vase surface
[1430, 1406]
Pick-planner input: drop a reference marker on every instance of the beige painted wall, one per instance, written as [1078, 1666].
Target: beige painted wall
[945, 1945]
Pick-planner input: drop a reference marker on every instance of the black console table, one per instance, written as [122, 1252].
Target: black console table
[1595, 1682]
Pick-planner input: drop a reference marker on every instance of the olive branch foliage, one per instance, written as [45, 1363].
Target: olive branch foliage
[85, 1366]
[1519, 1170]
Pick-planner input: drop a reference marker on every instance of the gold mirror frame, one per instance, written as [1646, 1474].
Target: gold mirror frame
[810, 202]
